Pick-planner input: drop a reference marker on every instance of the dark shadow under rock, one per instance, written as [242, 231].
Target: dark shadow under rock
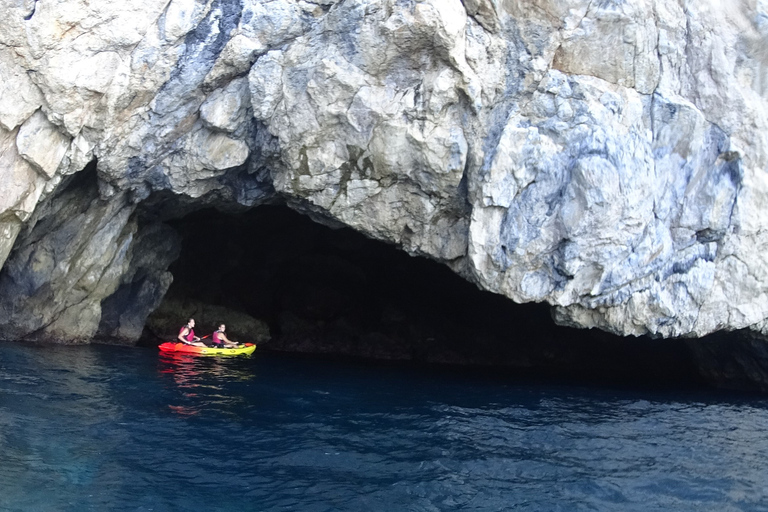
[166, 321]
[337, 293]
[733, 360]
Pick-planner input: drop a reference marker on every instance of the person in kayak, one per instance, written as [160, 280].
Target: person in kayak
[220, 340]
[187, 335]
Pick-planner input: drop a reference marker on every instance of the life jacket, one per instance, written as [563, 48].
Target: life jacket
[191, 335]
[216, 338]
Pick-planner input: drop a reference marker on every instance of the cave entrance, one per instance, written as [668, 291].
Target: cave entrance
[271, 273]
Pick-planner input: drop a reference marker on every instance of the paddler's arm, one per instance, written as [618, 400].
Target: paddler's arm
[227, 340]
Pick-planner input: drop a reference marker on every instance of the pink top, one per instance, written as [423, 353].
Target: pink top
[216, 338]
[191, 335]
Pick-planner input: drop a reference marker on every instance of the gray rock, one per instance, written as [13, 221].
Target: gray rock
[52, 285]
[606, 158]
[142, 286]
[19, 96]
[22, 187]
[42, 144]
[225, 109]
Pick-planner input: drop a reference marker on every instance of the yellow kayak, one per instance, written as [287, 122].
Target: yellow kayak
[244, 350]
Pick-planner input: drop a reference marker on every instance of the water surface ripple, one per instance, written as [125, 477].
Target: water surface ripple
[105, 428]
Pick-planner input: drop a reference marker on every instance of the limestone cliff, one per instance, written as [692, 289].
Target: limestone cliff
[608, 157]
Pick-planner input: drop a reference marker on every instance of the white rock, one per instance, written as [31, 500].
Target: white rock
[217, 151]
[225, 108]
[19, 96]
[266, 85]
[180, 17]
[22, 186]
[42, 144]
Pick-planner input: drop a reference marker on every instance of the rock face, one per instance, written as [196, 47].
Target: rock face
[142, 286]
[71, 259]
[608, 158]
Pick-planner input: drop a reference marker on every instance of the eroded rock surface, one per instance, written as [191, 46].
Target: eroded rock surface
[72, 257]
[142, 286]
[608, 158]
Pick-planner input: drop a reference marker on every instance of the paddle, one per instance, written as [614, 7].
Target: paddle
[201, 339]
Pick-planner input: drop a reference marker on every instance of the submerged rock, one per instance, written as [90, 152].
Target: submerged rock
[606, 158]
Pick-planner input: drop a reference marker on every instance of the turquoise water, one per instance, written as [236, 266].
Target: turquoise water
[107, 428]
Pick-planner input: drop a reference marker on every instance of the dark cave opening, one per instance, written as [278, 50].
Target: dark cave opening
[336, 293]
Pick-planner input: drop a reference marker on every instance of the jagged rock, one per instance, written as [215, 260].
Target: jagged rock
[71, 259]
[19, 96]
[225, 109]
[629, 29]
[142, 287]
[606, 158]
[42, 144]
[22, 186]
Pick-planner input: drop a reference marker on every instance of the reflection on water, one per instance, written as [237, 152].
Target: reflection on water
[105, 428]
[200, 381]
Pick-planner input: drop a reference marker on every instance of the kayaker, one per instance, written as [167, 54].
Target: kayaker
[220, 339]
[187, 334]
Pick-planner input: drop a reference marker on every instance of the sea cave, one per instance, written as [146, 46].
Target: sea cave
[297, 286]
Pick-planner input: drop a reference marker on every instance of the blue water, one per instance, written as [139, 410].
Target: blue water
[107, 428]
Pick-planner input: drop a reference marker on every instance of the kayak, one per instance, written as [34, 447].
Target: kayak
[183, 348]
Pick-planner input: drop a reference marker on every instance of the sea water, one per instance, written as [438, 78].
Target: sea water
[111, 429]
